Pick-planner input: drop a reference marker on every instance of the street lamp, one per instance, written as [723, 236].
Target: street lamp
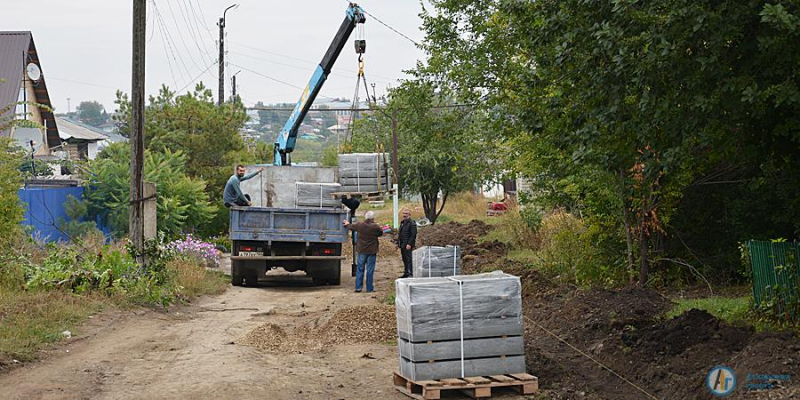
[221, 24]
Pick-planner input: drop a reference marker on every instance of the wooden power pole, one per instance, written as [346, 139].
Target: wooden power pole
[221, 61]
[136, 223]
[395, 162]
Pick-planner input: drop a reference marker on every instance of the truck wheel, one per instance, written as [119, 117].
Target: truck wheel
[335, 281]
[252, 280]
[236, 280]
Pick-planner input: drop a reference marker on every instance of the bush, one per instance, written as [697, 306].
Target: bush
[182, 203]
[10, 181]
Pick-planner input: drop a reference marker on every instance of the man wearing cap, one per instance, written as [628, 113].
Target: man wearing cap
[367, 234]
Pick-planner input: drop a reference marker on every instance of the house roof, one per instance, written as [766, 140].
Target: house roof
[70, 130]
[17, 50]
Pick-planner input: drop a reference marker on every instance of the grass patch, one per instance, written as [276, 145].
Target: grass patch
[525, 256]
[196, 280]
[733, 310]
[32, 320]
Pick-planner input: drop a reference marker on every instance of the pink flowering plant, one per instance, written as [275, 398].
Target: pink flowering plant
[189, 247]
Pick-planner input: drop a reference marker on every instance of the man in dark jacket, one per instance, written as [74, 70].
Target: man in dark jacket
[406, 239]
[367, 234]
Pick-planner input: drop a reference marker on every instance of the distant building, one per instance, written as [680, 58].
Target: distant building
[80, 141]
[24, 83]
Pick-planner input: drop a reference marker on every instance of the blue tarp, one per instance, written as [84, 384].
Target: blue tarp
[44, 207]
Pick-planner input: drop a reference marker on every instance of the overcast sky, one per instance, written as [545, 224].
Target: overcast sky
[84, 46]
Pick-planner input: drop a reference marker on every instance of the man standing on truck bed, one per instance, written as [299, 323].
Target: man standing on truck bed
[233, 195]
[367, 234]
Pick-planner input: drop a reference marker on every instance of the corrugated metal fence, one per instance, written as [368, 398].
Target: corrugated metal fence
[44, 206]
[776, 273]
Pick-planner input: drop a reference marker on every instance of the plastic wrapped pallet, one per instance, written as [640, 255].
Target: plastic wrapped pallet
[436, 261]
[459, 326]
[423, 371]
[362, 172]
[458, 307]
[317, 195]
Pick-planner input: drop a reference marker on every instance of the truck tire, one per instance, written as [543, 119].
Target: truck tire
[236, 280]
[325, 272]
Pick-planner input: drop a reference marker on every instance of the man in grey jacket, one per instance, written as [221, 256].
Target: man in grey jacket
[233, 195]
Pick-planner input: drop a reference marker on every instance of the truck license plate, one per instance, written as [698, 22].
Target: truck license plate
[249, 254]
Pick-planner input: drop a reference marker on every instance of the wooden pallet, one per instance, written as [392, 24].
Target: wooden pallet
[347, 195]
[474, 387]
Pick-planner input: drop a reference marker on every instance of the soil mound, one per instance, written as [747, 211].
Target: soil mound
[692, 328]
[453, 234]
[476, 256]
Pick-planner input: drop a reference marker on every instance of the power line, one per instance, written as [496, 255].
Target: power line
[306, 61]
[180, 35]
[197, 77]
[165, 42]
[81, 83]
[192, 28]
[386, 25]
[360, 109]
[274, 79]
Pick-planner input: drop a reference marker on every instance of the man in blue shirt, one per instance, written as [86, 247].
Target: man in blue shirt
[233, 195]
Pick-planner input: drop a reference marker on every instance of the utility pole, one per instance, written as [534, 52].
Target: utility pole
[395, 163]
[69, 108]
[233, 86]
[136, 224]
[221, 24]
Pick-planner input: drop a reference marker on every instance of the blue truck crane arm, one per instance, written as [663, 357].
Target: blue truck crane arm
[287, 138]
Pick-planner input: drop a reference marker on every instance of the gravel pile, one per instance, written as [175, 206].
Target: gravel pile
[360, 324]
[351, 325]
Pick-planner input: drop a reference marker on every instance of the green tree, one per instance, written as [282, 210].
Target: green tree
[91, 113]
[182, 202]
[10, 182]
[206, 134]
[658, 99]
[442, 147]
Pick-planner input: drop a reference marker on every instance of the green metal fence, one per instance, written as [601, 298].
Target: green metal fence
[776, 275]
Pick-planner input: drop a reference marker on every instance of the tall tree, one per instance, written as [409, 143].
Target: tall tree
[443, 147]
[91, 113]
[207, 134]
[666, 96]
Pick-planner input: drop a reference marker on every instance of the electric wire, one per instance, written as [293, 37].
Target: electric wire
[275, 79]
[387, 25]
[308, 62]
[197, 77]
[165, 42]
[192, 29]
[180, 36]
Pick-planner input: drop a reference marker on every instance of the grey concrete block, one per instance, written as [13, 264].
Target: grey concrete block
[452, 369]
[317, 195]
[451, 349]
[436, 261]
[275, 186]
[450, 329]
[433, 308]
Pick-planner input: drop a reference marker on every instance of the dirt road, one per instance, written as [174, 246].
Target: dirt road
[196, 352]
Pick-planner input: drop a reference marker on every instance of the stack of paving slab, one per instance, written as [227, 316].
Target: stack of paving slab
[459, 326]
[363, 172]
[436, 261]
[317, 195]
